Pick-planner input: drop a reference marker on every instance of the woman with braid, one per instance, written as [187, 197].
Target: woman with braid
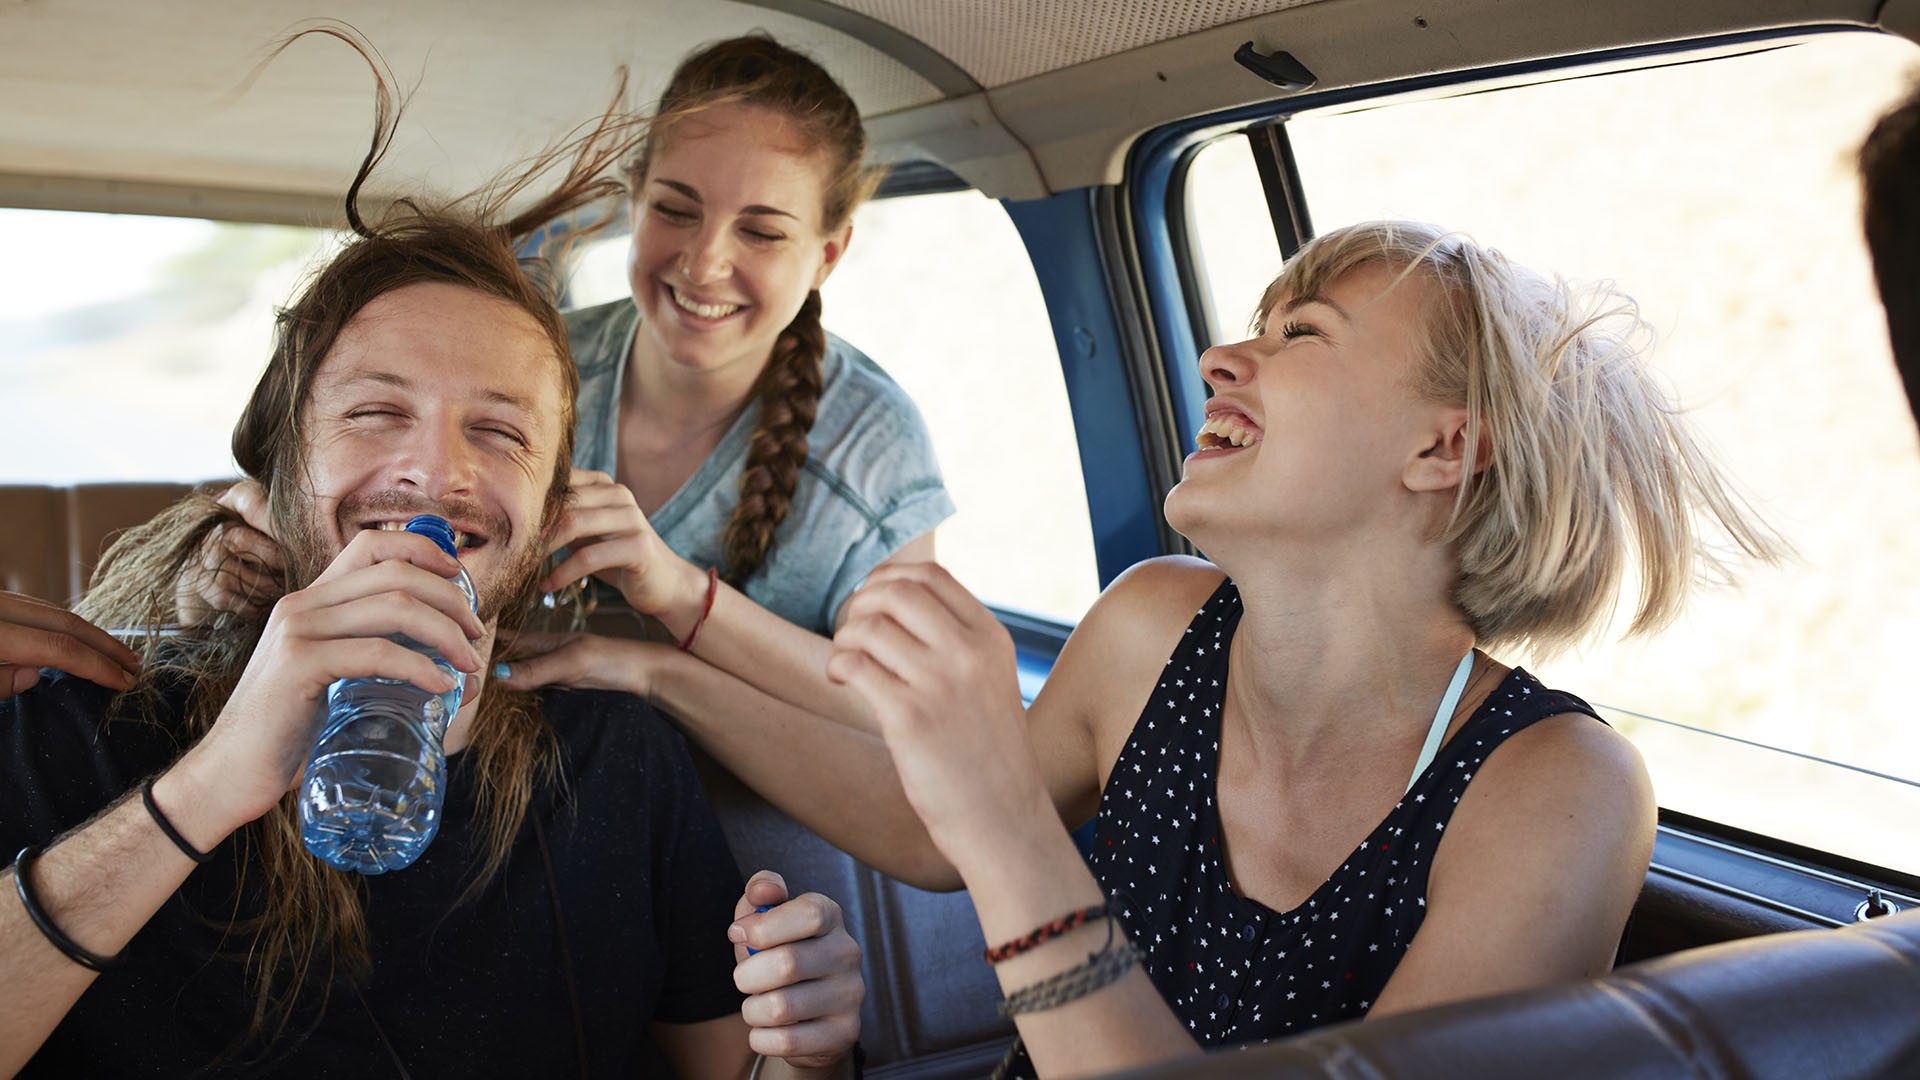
[737, 469]
[754, 442]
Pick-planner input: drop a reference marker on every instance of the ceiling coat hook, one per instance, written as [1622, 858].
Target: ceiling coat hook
[1277, 67]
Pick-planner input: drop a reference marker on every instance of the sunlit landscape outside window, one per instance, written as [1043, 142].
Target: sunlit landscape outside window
[128, 344]
[1723, 197]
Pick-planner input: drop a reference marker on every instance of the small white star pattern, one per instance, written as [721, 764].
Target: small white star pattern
[1233, 970]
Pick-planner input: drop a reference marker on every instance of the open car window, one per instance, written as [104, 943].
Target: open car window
[1724, 197]
[131, 342]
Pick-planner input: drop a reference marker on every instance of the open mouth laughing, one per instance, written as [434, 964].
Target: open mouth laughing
[702, 310]
[1227, 430]
[463, 541]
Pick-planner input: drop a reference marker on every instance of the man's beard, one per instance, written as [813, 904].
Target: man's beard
[509, 589]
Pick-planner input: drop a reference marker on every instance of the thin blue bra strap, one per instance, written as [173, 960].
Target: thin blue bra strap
[1440, 718]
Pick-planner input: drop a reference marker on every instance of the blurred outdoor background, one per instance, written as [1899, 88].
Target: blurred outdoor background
[1721, 195]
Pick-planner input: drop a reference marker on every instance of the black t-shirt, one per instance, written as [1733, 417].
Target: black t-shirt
[477, 988]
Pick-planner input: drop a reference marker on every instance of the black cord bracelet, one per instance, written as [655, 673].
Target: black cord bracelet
[22, 866]
[173, 834]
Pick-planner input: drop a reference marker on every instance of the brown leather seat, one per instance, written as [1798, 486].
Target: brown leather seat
[1810, 1005]
[51, 537]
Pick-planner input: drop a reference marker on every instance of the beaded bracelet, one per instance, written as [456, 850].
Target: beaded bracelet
[1045, 932]
[713, 587]
[22, 868]
[173, 834]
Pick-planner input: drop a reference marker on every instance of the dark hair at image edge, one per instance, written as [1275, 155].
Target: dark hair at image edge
[1890, 178]
[757, 70]
[308, 923]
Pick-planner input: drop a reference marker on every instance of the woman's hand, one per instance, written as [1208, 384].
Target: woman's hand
[938, 671]
[239, 565]
[611, 540]
[583, 661]
[35, 634]
[803, 980]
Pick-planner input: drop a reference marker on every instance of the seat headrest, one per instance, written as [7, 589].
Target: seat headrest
[1809, 1005]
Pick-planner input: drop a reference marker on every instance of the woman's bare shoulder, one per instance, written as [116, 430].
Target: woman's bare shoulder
[1171, 588]
[1564, 747]
[1569, 776]
[1105, 672]
[1132, 628]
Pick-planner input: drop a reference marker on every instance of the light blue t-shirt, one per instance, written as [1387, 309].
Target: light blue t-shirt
[870, 483]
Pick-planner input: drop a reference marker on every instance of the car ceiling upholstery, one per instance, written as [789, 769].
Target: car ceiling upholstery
[127, 105]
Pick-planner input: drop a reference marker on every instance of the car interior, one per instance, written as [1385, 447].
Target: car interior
[1092, 135]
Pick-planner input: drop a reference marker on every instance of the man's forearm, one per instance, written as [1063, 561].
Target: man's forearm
[99, 885]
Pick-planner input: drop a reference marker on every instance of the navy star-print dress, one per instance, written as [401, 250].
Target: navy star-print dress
[1233, 969]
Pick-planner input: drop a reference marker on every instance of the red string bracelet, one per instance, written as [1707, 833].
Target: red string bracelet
[1046, 932]
[713, 587]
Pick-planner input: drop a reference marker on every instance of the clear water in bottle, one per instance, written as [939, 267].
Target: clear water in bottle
[370, 798]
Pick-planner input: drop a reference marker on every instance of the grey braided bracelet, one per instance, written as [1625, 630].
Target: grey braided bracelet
[1099, 970]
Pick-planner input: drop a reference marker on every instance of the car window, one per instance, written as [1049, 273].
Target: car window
[1723, 196]
[938, 290]
[1236, 252]
[128, 344]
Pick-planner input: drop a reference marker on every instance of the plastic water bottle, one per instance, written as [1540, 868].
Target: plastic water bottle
[370, 798]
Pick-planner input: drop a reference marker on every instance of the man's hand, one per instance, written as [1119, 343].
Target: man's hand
[239, 562]
[383, 583]
[611, 540]
[35, 634]
[803, 980]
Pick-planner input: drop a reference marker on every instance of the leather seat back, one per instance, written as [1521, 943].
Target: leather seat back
[1809, 1005]
[51, 537]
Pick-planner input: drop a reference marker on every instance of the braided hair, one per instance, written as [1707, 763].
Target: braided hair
[789, 396]
[756, 70]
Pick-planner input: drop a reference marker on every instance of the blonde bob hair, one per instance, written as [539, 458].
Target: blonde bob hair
[1588, 467]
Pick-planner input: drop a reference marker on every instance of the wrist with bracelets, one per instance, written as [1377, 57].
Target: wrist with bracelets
[1101, 969]
[30, 897]
[1045, 932]
[713, 588]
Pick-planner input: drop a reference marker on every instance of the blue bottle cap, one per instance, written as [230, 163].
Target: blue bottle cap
[751, 951]
[434, 528]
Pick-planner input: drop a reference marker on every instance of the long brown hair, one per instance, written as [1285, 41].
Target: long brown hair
[757, 70]
[309, 912]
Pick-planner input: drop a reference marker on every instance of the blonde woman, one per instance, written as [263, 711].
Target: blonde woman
[1321, 797]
